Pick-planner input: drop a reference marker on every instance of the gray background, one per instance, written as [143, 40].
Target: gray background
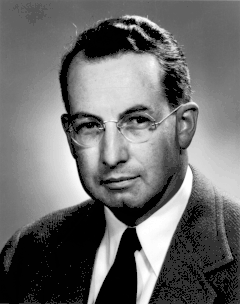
[37, 172]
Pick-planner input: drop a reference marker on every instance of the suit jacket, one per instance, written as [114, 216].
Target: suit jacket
[51, 260]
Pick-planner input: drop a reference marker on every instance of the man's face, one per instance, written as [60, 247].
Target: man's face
[121, 174]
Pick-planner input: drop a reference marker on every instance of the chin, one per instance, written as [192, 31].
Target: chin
[124, 201]
[119, 200]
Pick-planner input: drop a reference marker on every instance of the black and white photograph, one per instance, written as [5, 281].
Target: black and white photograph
[120, 151]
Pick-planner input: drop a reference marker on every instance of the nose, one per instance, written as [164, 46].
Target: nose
[114, 147]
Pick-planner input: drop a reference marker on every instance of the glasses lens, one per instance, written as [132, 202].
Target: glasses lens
[137, 127]
[87, 132]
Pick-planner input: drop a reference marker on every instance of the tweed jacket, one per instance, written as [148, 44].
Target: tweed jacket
[51, 260]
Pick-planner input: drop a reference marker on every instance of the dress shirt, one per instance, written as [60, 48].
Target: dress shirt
[155, 235]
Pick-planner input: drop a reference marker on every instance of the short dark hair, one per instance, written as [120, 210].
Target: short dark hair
[136, 34]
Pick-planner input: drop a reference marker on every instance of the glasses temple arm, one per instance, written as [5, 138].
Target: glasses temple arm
[159, 122]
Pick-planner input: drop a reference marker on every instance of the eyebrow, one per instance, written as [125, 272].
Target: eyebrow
[134, 109]
[137, 108]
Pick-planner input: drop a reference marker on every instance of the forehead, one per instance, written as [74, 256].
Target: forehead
[113, 85]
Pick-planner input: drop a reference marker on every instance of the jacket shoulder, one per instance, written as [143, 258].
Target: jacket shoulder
[220, 219]
[49, 229]
[227, 279]
[216, 202]
[40, 254]
[231, 213]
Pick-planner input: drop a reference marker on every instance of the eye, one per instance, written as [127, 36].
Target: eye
[87, 126]
[137, 121]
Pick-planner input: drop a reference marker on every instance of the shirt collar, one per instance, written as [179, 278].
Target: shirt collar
[156, 232]
[114, 231]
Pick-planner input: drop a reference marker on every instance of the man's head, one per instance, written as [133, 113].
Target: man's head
[120, 79]
[139, 35]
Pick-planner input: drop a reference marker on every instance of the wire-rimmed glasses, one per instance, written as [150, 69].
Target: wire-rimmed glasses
[135, 127]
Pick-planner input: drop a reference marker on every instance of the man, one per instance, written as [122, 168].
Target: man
[129, 122]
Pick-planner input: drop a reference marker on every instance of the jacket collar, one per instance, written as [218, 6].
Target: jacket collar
[198, 246]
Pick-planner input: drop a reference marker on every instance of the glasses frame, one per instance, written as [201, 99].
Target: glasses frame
[103, 123]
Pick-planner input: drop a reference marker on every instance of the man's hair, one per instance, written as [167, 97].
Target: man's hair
[111, 37]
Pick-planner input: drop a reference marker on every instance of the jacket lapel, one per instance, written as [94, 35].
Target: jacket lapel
[75, 256]
[199, 245]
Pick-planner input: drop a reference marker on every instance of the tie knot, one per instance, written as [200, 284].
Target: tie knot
[130, 240]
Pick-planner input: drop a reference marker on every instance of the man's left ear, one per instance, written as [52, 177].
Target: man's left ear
[186, 123]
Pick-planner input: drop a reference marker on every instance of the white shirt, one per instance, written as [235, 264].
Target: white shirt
[155, 235]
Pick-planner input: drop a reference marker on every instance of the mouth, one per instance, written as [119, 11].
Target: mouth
[119, 183]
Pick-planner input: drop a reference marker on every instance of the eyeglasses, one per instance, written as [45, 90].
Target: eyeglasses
[136, 128]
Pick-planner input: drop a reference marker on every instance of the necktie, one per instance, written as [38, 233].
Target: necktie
[120, 284]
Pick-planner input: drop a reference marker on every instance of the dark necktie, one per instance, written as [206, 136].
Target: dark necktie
[120, 284]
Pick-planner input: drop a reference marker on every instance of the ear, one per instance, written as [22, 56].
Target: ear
[65, 118]
[186, 123]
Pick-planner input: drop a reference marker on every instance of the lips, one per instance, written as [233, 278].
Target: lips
[116, 180]
[119, 182]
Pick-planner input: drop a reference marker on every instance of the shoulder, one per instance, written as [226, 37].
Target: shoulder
[231, 214]
[50, 230]
[221, 208]
[38, 254]
[216, 218]
[205, 190]
[57, 221]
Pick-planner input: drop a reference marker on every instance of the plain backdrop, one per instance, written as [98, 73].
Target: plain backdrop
[38, 174]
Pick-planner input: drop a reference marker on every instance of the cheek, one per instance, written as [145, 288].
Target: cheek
[157, 158]
[149, 158]
[87, 162]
